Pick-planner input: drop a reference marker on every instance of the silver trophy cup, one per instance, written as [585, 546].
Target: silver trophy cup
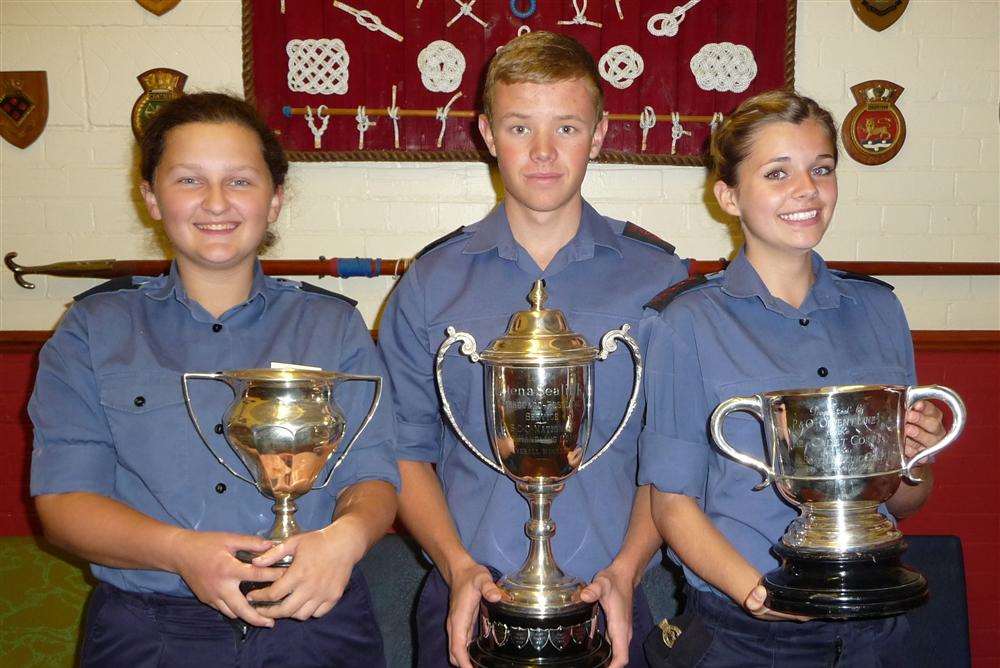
[539, 392]
[284, 425]
[836, 453]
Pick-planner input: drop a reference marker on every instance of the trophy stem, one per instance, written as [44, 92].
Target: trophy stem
[284, 526]
[840, 526]
[540, 566]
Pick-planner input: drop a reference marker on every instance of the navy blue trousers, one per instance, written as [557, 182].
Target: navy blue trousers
[432, 617]
[718, 634]
[145, 630]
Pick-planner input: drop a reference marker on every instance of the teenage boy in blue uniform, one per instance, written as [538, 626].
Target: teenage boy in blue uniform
[543, 120]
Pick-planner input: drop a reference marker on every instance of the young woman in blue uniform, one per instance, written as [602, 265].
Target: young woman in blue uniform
[121, 478]
[777, 317]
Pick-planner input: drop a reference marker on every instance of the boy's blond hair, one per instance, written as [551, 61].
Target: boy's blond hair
[542, 57]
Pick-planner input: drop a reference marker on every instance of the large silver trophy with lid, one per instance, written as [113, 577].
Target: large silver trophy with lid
[284, 425]
[836, 453]
[539, 392]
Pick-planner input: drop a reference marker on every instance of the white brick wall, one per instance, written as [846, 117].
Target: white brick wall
[71, 195]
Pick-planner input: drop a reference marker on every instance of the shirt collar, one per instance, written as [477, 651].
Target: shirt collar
[169, 285]
[742, 281]
[493, 231]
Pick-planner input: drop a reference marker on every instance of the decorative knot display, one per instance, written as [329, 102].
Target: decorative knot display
[667, 24]
[317, 132]
[363, 124]
[393, 113]
[620, 66]
[442, 115]
[465, 9]
[441, 66]
[618, 7]
[724, 67]
[676, 131]
[581, 16]
[717, 118]
[282, 6]
[317, 66]
[647, 119]
[523, 14]
[368, 20]
[523, 30]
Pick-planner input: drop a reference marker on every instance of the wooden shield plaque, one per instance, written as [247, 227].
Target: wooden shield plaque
[879, 14]
[159, 85]
[24, 106]
[158, 7]
[875, 129]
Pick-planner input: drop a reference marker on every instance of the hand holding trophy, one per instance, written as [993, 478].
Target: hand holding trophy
[837, 453]
[285, 426]
[539, 385]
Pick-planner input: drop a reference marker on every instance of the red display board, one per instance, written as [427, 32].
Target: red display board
[698, 58]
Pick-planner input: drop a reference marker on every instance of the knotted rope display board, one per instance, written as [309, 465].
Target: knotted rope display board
[665, 64]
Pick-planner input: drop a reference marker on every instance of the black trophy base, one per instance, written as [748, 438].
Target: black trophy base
[508, 639]
[873, 583]
[248, 586]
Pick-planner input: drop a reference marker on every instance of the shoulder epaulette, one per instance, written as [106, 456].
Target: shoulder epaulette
[660, 301]
[851, 276]
[309, 287]
[437, 242]
[633, 231]
[114, 285]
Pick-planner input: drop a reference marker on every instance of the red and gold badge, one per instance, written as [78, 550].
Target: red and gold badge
[24, 106]
[160, 85]
[879, 14]
[875, 129]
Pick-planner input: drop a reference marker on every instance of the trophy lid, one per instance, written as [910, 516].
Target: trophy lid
[539, 335]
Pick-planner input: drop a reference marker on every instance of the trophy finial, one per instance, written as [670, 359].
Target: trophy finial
[538, 296]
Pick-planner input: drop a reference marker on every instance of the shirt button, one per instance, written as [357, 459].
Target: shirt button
[822, 371]
[804, 322]
[216, 327]
[139, 401]
[218, 428]
[220, 488]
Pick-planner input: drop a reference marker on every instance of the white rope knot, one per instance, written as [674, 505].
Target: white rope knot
[393, 113]
[647, 119]
[317, 132]
[666, 24]
[724, 67]
[368, 20]
[618, 6]
[620, 66]
[717, 118]
[676, 131]
[442, 115]
[318, 66]
[441, 66]
[465, 9]
[282, 6]
[581, 16]
[363, 124]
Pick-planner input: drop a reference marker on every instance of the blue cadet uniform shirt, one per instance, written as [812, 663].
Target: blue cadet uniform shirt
[476, 279]
[110, 418]
[727, 335]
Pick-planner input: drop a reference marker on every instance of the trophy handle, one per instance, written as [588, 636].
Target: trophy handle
[750, 404]
[194, 418]
[957, 406]
[608, 346]
[364, 423]
[469, 350]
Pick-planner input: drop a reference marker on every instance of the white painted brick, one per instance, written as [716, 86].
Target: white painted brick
[57, 51]
[634, 184]
[932, 119]
[857, 218]
[12, 157]
[65, 145]
[926, 315]
[894, 52]
[941, 289]
[974, 187]
[310, 179]
[364, 217]
[822, 83]
[956, 153]
[960, 53]
[927, 18]
[396, 245]
[925, 88]
[482, 183]
[114, 147]
[71, 216]
[21, 216]
[976, 85]
[39, 315]
[439, 184]
[980, 313]
[313, 214]
[198, 13]
[901, 247]
[664, 218]
[620, 209]
[907, 187]
[906, 219]
[989, 154]
[988, 218]
[976, 18]
[819, 19]
[71, 12]
[33, 182]
[684, 184]
[90, 181]
[838, 247]
[953, 219]
[451, 215]
[981, 119]
[978, 247]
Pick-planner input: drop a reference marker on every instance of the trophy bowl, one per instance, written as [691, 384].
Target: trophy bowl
[284, 425]
[539, 396]
[837, 454]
